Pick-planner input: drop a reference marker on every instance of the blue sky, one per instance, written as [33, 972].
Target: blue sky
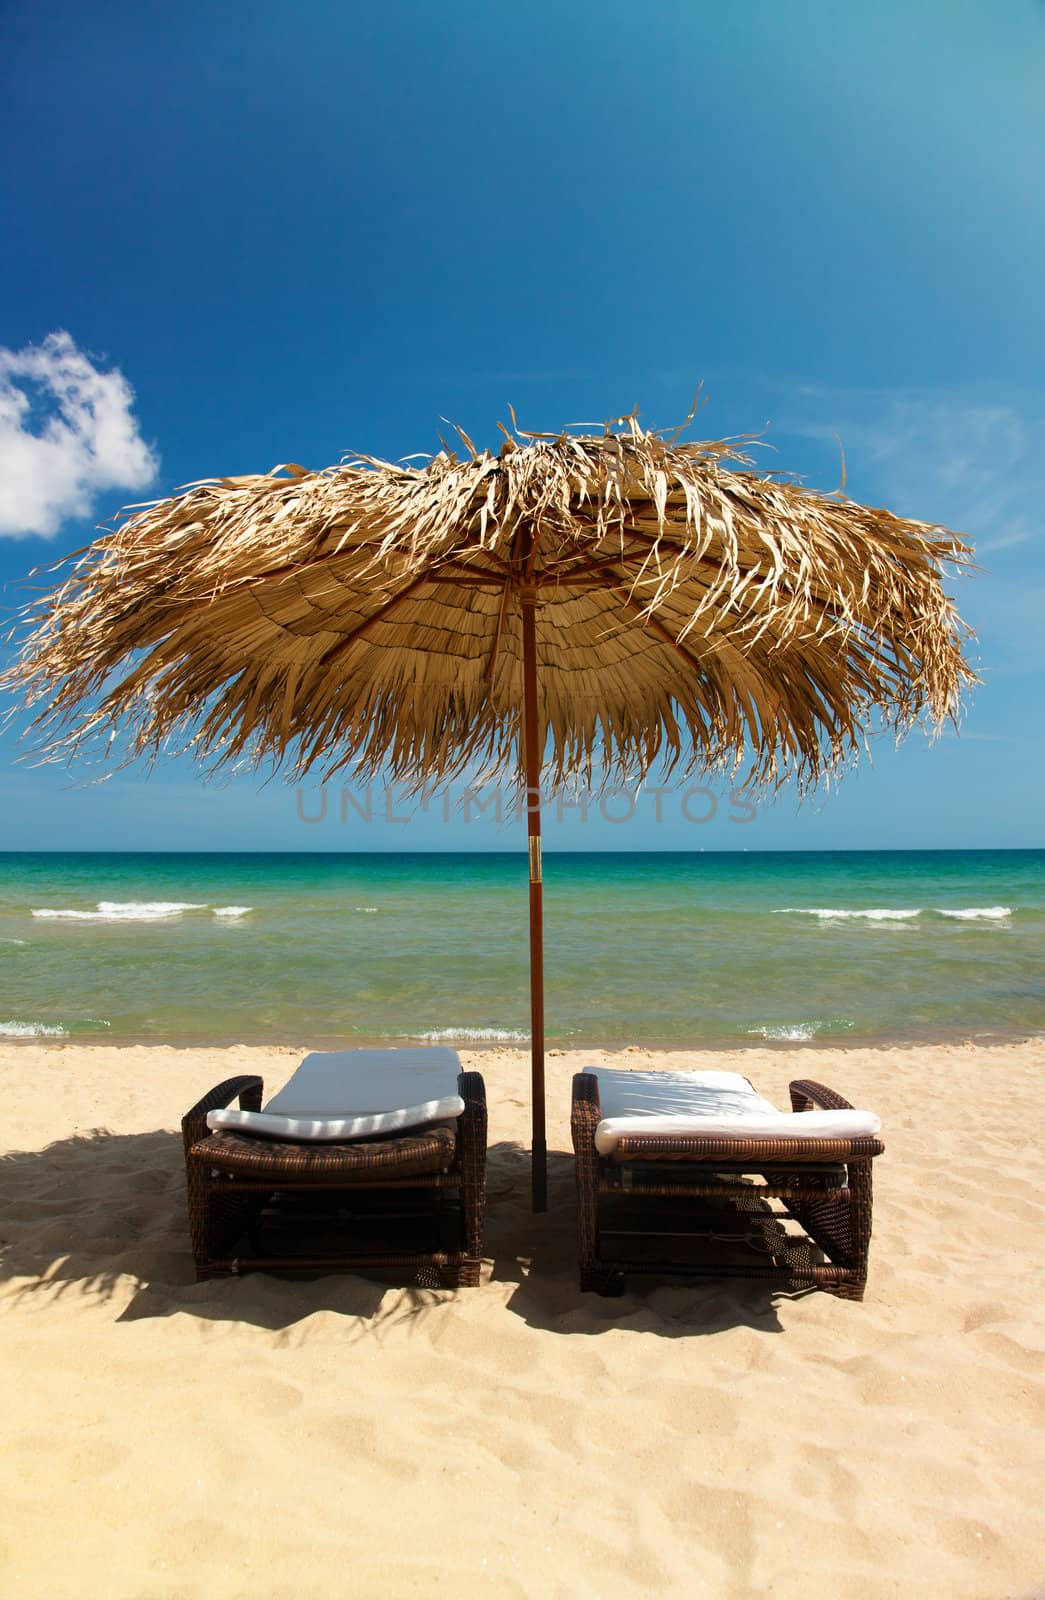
[280, 234]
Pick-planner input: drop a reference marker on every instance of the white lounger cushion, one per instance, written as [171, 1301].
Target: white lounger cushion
[687, 1103]
[354, 1094]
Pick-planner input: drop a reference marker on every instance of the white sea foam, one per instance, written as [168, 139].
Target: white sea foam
[795, 1031]
[232, 912]
[30, 1030]
[123, 911]
[978, 913]
[493, 1035]
[370, 910]
[800, 1031]
[14, 941]
[840, 914]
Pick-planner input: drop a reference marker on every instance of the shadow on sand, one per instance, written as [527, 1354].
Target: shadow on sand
[102, 1215]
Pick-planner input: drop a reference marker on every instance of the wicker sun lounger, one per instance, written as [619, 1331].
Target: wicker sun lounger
[794, 1209]
[410, 1202]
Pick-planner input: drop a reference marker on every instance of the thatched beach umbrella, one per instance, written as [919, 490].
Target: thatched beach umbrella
[586, 606]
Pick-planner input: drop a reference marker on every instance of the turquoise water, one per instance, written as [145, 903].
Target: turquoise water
[660, 948]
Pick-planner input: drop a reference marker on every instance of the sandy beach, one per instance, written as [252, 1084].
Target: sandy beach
[265, 1437]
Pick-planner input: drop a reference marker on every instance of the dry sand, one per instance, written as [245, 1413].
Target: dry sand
[336, 1437]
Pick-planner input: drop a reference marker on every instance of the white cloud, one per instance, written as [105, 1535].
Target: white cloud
[67, 434]
[972, 464]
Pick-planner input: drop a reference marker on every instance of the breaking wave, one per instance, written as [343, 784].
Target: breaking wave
[31, 1030]
[122, 911]
[839, 913]
[979, 913]
[891, 914]
[490, 1035]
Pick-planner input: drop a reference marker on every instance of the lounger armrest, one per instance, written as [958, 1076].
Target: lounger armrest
[585, 1111]
[807, 1095]
[194, 1122]
[759, 1152]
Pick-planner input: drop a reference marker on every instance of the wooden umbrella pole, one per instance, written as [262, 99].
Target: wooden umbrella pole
[532, 761]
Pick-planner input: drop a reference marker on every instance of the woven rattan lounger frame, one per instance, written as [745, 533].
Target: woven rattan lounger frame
[232, 1179]
[822, 1184]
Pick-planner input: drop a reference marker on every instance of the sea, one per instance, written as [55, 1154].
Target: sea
[662, 949]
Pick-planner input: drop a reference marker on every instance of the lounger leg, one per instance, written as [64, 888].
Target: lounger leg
[464, 1276]
[587, 1217]
[841, 1225]
[607, 1282]
[217, 1220]
[584, 1118]
[472, 1135]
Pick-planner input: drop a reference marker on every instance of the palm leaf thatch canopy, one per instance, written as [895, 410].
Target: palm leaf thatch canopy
[687, 610]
